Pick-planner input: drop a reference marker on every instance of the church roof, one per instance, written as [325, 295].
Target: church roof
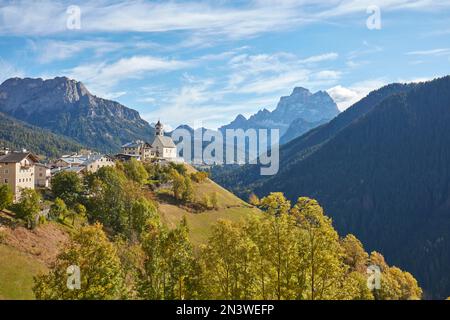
[166, 142]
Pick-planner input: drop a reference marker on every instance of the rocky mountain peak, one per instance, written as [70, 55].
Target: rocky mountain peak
[301, 91]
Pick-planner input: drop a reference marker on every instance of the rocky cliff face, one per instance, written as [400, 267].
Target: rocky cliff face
[301, 106]
[65, 106]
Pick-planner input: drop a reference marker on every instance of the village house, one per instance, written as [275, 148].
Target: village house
[89, 163]
[97, 161]
[138, 148]
[42, 175]
[160, 147]
[17, 169]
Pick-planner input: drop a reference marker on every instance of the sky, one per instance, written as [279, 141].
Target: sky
[205, 62]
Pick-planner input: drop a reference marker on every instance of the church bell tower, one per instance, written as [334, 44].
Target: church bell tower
[159, 129]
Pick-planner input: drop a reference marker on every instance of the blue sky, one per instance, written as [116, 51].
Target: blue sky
[191, 61]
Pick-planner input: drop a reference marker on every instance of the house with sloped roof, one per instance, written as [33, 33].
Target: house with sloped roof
[17, 169]
[90, 163]
[138, 148]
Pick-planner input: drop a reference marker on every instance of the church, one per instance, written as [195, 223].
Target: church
[160, 147]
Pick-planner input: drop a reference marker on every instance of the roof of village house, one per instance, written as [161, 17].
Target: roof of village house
[42, 165]
[15, 157]
[166, 142]
[123, 156]
[74, 159]
[95, 157]
[76, 169]
[135, 144]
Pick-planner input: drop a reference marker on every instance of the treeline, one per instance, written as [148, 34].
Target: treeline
[17, 135]
[287, 252]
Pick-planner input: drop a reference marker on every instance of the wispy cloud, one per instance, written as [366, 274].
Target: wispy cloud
[233, 22]
[273, 73]
[104, 76]
[432, 52]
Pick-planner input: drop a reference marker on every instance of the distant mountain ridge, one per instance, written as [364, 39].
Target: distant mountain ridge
[66, 107]
[302, 109]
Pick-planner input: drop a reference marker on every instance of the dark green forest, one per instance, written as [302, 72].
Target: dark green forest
[15, 134]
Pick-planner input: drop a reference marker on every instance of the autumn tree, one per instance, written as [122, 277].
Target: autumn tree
[323, 253]
[395, 284]
[28, 207]
[214, 201]
[178, 184]
[100, 269]
[168, 262]
[58, 210]
[141, 211]
[275, 204]
[80, 211]
[228, 260]
[135, 171]
[188, 190]
[254, 200]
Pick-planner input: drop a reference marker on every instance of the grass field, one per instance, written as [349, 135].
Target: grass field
[16, 273]
[230, 208]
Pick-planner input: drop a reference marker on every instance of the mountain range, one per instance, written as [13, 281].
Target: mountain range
[293, 116]
[382, 171]
[66, 107]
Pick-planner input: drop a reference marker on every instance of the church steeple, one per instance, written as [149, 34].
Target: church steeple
[159, 129]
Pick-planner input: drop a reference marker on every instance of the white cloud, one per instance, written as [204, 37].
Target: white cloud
[275, 83]
[432, 52]
[347, 96]
[320, 58]
[207, 18]
[54, 50]
[103, 76]
[271, 73]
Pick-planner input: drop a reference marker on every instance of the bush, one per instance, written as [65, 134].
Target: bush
[199, 176]
[6, 196]
[28, 206]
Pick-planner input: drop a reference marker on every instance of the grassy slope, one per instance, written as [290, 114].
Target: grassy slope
[230, 208]
[16, 273]
[24, 254]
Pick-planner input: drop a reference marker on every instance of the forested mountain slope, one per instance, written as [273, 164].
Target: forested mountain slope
[66, 107]
[382, 171]
[17, 135]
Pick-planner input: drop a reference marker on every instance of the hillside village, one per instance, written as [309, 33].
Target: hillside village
[22, 169]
